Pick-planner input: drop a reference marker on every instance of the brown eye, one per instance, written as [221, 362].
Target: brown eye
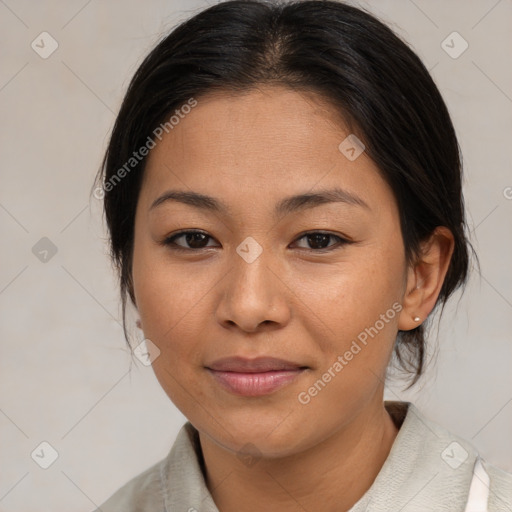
[193, 239]
[319, 241]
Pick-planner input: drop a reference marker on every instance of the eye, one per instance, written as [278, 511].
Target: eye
[195, 239]
[320, 241]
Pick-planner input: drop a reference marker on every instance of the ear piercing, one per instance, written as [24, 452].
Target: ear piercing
[417, 319]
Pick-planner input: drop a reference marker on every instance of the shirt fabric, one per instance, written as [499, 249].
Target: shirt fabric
[427, 469]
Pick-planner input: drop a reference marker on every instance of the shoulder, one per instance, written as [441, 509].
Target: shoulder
[500, 488]
[424, 448]
[172, 482]
[141, 493]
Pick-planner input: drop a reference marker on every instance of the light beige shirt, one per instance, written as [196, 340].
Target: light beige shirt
[427, 469]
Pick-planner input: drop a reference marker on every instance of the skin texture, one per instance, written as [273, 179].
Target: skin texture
[295, 301]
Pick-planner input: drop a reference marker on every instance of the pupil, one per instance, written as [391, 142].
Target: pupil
[318, 238]
[195, 238]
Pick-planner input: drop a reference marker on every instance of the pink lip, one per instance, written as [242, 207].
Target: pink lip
[254, 377]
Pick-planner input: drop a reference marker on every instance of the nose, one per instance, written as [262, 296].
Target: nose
[254, 295]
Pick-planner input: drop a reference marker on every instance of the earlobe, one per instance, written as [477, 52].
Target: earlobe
[134, 302]
[411, 302]
[425, 278]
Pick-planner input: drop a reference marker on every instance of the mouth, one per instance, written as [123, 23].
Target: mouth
[254, 377]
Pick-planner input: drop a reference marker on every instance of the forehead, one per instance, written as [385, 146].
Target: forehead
[232, 126]
[270, 140]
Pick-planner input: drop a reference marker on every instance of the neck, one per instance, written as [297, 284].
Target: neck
[335, 473]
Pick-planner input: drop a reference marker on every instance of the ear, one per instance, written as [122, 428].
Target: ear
[425, 278]
[131, 294]
[134, 302]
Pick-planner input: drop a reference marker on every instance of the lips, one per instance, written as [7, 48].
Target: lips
[254, 377]
[260, 364]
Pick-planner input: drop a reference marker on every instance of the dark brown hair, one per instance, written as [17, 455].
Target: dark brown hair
[380, 86]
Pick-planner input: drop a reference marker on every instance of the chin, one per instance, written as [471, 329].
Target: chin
[270, 437]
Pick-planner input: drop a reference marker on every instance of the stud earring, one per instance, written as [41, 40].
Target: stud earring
[417, 318]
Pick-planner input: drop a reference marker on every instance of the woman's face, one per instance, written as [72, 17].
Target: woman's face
[254, 284]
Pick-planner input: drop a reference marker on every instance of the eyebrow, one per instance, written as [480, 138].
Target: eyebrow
[287, 205]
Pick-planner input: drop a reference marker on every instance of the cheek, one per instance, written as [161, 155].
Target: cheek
[361, 308]
[172, 313]
[353, 295]
[173, 305]
[163, 293]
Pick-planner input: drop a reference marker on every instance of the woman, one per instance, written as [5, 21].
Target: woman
[283, 194]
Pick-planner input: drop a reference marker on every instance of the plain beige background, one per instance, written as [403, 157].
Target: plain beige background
[66, 376]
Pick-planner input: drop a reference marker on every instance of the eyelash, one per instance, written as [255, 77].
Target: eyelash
[169, 241]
